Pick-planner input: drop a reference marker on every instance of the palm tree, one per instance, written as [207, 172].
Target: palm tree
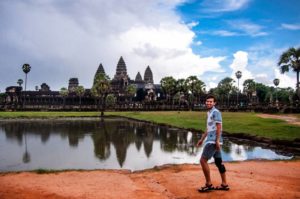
[79, 90]
[249, 87]
[195, 87]
[182, 89]
[64, 93]
[101, 89]
[168, 84]
[226, 87]
[276, 83]
[290, 59]
[26, 69]
[238, 75]
[20, 82]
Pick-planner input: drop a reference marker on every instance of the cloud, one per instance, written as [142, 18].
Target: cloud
[290, 26]
[64, 39]
[224, 33]
[240, 63]
[193, 24]
[263, 78]
[263, 61]
[284, 79]
[198, 43]
[247, 28]
[224, 5]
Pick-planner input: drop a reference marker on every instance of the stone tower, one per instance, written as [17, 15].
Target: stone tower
[99, 71]
[148, 76]
[121, 69]
[73, 84]
[121, 79]
[138, 78]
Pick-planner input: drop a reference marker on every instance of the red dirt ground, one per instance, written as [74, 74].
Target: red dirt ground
[252, 179]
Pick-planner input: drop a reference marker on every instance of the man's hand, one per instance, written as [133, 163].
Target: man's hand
[218, 147]
[199, 143]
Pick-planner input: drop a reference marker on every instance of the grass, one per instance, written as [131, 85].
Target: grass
[240, 122]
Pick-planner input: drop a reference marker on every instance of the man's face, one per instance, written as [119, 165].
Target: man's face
[210, 102]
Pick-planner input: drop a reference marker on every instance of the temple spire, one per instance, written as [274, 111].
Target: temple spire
[138, 77]
[148, 76]
[99, 71]
[121, 67]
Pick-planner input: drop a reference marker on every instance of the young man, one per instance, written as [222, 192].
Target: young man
[212, 146]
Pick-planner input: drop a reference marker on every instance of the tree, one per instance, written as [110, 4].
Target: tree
[285, 95]
[79, 90]
[168, 84]
[195, 87]
[26, 69]
[249, 87]
[290, 59]
[64, 93]
[20, 82]
[238, 75]
[131, 91]
[262, 92]
[225, 88]
[101, 89]
[181, 89]
[110, 100]
[276, 83]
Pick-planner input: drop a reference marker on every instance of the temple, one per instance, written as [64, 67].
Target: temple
[146, 90]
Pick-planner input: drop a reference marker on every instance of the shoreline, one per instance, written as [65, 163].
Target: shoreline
[249, 179]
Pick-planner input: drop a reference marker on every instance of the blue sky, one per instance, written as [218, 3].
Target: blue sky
[211, 39]
[260, 28]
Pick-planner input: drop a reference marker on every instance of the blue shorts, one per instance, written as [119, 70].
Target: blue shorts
[210, 151]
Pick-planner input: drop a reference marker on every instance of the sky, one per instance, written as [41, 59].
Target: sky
[212, 39]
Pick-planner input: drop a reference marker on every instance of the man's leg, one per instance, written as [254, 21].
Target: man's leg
[205, 169]
[221, 167]
[208, 152]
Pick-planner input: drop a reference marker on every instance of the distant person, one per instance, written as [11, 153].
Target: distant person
[212, 146]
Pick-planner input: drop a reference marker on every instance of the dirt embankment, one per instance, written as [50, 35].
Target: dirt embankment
[253, 179]
[288, 118]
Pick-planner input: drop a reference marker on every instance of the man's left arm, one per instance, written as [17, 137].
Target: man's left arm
[218, 119]
[218, 134]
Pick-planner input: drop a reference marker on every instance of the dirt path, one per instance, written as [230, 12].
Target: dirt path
[288, 118]
[253, 179]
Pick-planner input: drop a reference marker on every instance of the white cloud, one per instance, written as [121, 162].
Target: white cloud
[225, 5]
[224, 33]
[247, 28]
[192, 24]
[198, 43]
[240, 63]
[285, 80]
[290, 26]
[64, 39]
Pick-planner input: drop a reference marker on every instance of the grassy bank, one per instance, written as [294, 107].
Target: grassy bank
[233, 122]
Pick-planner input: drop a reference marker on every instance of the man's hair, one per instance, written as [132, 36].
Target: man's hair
[210, 96]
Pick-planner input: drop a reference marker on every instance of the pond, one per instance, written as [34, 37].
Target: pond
[112, 143]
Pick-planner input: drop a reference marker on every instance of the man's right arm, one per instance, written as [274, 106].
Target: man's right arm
[202, 138]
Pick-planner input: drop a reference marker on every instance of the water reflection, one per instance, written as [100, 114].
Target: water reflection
[109, 143]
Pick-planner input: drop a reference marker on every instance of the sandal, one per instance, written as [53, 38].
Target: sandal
[206, 188]
[222, 187]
